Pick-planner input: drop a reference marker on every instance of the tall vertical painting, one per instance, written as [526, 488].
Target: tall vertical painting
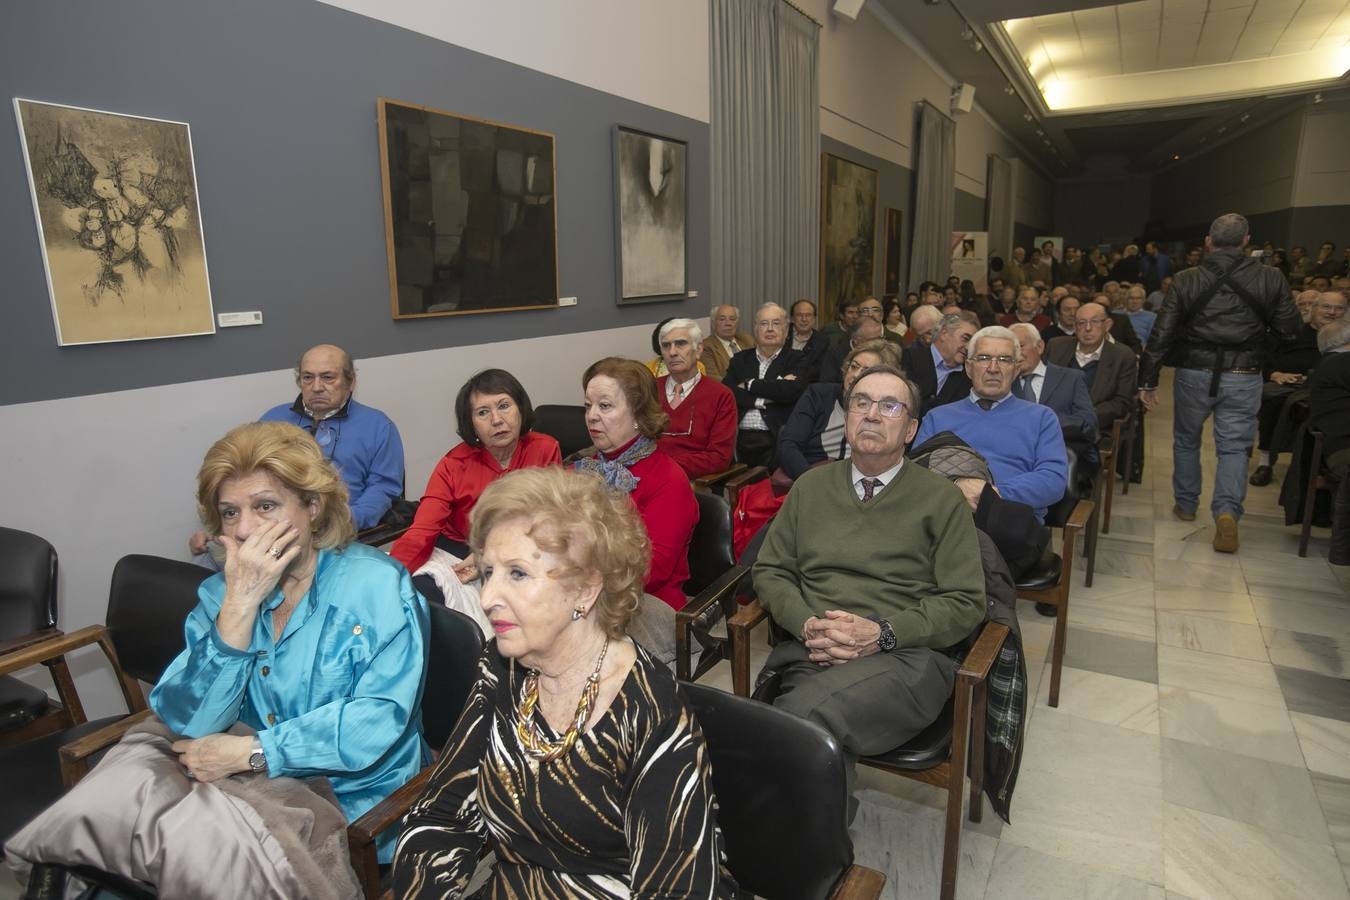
[470, 213]
[890, 284]
[115, 197]
[650, 174]
[848, 215]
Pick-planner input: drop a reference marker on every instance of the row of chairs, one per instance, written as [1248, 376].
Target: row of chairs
[767, 765]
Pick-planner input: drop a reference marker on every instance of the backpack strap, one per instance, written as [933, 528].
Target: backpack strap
[1225, 279]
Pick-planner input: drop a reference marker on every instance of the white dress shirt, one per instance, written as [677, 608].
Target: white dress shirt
[685, 390]
[753, 420]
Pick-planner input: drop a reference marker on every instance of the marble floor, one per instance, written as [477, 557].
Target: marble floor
[1201, 748]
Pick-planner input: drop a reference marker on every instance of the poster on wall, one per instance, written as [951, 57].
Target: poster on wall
[848, 214]
[970, 258]
[891, 283]
[115, 198]
[650, 176]
[469, 213]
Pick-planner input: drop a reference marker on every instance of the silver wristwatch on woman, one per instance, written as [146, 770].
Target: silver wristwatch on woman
[257, 760]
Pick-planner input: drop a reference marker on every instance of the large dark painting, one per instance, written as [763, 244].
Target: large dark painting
[848, 215]
[650, 177]
[893, 242]
[469, 209]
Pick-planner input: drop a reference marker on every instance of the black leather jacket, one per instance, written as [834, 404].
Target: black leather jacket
[1226, 321]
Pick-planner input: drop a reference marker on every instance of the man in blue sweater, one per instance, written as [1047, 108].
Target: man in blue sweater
[1021, 441]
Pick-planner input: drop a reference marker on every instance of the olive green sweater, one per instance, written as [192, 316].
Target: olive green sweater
[910, 556]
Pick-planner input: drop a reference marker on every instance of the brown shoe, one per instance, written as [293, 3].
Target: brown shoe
[1261, 477]
[1182, 514]
[1225, 533]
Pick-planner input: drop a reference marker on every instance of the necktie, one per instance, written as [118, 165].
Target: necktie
[1023, 391]
[869, 487]
[679, 395]
[985, 403]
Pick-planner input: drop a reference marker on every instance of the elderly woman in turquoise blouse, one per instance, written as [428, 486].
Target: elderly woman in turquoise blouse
[316, 642]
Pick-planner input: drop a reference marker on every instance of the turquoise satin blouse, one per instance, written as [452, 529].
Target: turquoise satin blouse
[338, 694]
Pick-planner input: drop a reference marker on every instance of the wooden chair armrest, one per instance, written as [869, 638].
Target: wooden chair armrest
[748, 616]
[712, 595]
[1078, 519]
[975, 667]
[716, 479]
[748, 476]
[33, 637]
[50, 648]
[859, 883]
[75, 755]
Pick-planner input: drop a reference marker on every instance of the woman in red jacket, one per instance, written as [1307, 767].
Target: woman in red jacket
[494, 415]
[624, 418]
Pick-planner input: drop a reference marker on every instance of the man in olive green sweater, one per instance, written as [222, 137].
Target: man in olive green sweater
[874, 564]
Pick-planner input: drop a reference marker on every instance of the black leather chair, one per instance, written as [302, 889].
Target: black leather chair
[1049, 581]
[710, 559]
[565, 424]
[782, 802]
[28, 615]
[148, 602]
[453, 651]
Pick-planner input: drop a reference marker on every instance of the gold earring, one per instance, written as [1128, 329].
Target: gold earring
[578, 612]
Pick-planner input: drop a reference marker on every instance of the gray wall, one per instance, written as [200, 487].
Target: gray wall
[969, 212]
[280, 95]
[1091, 209]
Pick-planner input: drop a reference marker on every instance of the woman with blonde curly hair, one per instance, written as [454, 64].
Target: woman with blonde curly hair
[575, 759]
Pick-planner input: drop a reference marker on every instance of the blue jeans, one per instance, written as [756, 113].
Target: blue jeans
[1234, 412]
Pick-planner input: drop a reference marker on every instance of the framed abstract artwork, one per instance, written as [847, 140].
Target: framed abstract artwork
[470, 213]
[115, 198]
[651, 215]
[848, 215]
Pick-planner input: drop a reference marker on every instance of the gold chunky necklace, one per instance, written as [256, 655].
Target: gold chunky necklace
[528, 730]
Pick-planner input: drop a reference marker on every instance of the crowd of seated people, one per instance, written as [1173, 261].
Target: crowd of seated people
[307, 639]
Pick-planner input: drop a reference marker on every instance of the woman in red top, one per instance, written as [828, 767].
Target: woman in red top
[494, 417]
[624, 418]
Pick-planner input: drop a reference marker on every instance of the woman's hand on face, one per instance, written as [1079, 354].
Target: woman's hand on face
[254, 566]
[215, 756]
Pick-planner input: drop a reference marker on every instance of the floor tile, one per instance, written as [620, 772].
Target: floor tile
[1290, 614]
[1114, 616]
[1210, 635]
[1334, 795]
[1108, 699]
[1315, 694]
[1225, 676]
[1196, 547]
[904, 840]
[1023, 872]
[1208, 856]
[1325, 743]
[1314, 652]
[1112, 559]
[1110, 654]
[1264, 732]
[1272, 796]
[1214, 577]
[1232, 607]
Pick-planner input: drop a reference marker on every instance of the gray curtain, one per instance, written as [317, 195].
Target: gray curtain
[935, 197]
[999, 197]
[765, 154]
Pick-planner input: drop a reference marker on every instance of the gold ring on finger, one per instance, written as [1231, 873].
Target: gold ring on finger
[275, 551]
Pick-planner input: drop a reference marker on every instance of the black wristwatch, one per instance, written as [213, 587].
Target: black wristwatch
[885, 640]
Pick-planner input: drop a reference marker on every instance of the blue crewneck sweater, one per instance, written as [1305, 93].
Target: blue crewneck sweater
[1021, 440]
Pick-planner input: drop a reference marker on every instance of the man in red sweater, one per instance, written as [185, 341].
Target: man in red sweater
[701, 436]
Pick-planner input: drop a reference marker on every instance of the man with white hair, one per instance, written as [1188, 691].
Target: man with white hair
[725, 341]
[1215, 326]
[767, 379]
[1063, 390]
[921, 324]
[1021, 440]
[701, 434]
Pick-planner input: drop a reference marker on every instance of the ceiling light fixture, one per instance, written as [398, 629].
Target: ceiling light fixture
[967, 33]
[1027, 116]
[1245, 117]
[1010, 90]
[1176, 156]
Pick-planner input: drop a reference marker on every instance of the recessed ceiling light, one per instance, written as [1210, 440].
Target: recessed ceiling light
[1010, 90]
[1027, 116]
[1176, 156]
[1040, 133]
[1223, 129]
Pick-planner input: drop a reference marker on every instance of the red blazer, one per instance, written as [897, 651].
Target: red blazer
[454, 487]
[666, 503]
[701, 436]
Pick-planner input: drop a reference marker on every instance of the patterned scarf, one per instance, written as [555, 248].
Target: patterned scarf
[615, 471]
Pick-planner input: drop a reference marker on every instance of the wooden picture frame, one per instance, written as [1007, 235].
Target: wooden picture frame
[651, 216]
[470, 213]
[893, 249]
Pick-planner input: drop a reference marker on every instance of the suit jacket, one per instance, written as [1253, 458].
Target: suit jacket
[779, 392]
[715, 358]
[815, 350]
[1066, 392]
[1052, 331]
[1115, 385]
[1122, 329]
[919, 365]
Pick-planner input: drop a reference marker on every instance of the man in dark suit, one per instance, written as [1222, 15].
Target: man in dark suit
[939, 368]
[871, 308]
[1063, 390]
[805, 339]
[832, 363]
[1065, 315]
[767, 379]
[1111, 370]
[845, 316]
